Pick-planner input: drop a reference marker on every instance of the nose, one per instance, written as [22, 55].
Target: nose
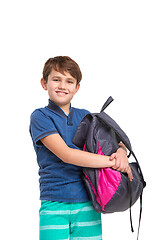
[62, 85]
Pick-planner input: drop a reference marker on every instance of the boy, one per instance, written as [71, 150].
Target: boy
[66, 210]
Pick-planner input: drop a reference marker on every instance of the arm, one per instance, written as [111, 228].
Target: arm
[77, 157]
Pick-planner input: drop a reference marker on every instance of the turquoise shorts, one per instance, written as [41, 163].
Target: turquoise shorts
[74, 221]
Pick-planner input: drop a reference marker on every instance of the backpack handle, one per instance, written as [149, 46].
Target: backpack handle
[109, 100]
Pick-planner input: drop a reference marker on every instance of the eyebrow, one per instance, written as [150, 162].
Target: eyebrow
[73, 79]
[56, 77]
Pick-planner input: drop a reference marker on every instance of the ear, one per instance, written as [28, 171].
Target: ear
[77, 88]
[44, 84]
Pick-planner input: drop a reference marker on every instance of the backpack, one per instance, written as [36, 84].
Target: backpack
[109, 190]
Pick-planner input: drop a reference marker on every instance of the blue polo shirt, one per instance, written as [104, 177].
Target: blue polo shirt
[59, 181]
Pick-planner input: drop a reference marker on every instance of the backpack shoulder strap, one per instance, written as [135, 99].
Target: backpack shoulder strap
[82, 131]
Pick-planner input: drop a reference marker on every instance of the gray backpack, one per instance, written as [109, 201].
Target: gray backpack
[109, 190]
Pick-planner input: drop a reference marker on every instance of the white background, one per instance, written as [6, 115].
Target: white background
[117, 45]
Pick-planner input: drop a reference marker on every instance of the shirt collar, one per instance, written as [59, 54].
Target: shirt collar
[58, 110]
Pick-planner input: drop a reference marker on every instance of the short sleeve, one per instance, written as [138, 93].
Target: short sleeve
[41, 126]
[86, 112]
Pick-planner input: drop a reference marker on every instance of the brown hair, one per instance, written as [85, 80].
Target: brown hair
[62, 64]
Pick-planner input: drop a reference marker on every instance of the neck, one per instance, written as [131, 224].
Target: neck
[65, 108]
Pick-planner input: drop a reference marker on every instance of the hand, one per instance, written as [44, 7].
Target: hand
[121, 162]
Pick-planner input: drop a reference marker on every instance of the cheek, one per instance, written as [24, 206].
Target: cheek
[52, 86]
[73, 90]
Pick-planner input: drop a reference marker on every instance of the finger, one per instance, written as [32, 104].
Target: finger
[130, 175]
[123, 166]
[112, 156]
[119, 165]
[118, 168]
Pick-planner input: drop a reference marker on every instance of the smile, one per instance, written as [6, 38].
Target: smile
[61, 93]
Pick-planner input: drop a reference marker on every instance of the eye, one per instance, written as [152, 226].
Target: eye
[55, 80]
[70, 82]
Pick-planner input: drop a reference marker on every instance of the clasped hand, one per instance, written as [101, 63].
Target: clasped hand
[121, 162]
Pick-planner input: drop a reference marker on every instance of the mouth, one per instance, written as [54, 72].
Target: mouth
[61, 93]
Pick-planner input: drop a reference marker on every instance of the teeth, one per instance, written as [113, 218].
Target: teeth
[61, 93]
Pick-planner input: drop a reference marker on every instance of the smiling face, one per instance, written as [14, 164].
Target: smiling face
[61, 88]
